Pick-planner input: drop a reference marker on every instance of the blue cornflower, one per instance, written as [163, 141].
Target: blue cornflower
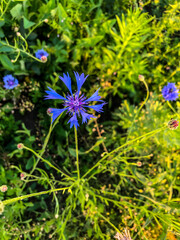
[75, 104]
[42, 55]
[170, 92]
[10, 82]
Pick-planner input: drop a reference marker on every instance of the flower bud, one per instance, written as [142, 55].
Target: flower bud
[22, 175]
[46, 20]
[16, 29]
[18, 34]
[49, 112]
[141, 78]
[139, 164]
[44, 59]
[20, 146]
[3, 188]
[173, 124]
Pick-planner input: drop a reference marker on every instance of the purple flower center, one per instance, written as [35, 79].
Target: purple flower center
[10, 82]
[170, 90]
[75, 103]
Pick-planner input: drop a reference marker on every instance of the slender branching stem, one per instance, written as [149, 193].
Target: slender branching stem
[110, 223]
[149, 134]
[44, 147]
[138, 111]
[169, 104]
[7, 5]
[20, 50]
[100, 136]
[9, 201]
[77, 156]
[47, 162]
[33, 28]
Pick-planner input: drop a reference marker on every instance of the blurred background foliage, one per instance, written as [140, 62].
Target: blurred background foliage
[113, 41]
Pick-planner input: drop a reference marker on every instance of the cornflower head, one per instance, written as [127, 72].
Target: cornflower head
[170, 92]
[10, 82]
[41, 55]
[75, 104]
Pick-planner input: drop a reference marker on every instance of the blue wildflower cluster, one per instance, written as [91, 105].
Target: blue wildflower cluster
[170, 92]
[10, 82]
[42, 55]
[75, 104]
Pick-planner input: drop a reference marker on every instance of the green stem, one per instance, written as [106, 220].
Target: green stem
[43, 148]
[47, 162]
[32, 195]
[77, 156]
[127, 143]
[144, 102]
[24, 40]
[18, 49]
[122, 159]
[34, 28]
[169, 104]
[110, 223]
[5, 9]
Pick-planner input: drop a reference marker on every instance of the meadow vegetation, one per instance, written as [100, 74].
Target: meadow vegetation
[110, 172]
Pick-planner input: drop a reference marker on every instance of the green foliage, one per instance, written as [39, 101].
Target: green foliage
[137, 185]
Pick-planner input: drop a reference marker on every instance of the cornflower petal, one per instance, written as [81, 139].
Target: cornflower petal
[67, 81]
[95, 97]
[10, 82]
[97, 108]
[170, 92]
[56, 112]
[80, 80]
[86, 116]
[53, 95]
[73, 121]
[41, 53]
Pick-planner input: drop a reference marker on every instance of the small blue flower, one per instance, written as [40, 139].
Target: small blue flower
[75, 104]
[170, 92]
[41, 55]
[10, 82]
